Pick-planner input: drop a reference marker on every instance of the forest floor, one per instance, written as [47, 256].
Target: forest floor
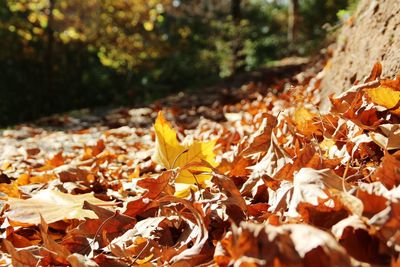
[245, 172]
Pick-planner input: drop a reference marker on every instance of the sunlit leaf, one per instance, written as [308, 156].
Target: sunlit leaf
[386, 97]
[53, 206]
[171, 154]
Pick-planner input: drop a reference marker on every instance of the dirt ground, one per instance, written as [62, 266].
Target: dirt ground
[373, 34]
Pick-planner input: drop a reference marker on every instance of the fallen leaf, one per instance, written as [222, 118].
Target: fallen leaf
[310, 186]
[304, 120]
[54, 162]
[360, 241]
[54, 253]
[386, 97]
[154, 187]
[388, 172]
[53, 206]
[20, 257]
[10, 190]
[78, 260]
[389, 139]
[373, 201]
[171, 154]
[265, 245]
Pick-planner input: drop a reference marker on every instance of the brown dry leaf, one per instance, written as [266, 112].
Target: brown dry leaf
[360, 241]
[115, 225]
[20, 257]
[350, 202]
[235, 205]
[93, 151]
[389, 139]
[78, 260]
[351, 105]
[73, 175]
[155, 187]
[388, 172]
[192, 248]
[53, 253]
[375, 72]
[109, 261]
[275, 159]
[22, 240]
[323, 216]
[76, 241]
[140, 240]
[53, 206]
[372, 198]
[238, 167]
[37, 179]
[265, 245]
[307, 157]
[388, 223]
[54, 162]
[260, 140]
[310, 186]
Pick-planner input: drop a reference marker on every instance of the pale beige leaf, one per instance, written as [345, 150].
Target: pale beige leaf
[390, 139]
[53, 206]
[310, 185]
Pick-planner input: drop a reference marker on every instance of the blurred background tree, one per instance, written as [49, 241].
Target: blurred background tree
[58, 55]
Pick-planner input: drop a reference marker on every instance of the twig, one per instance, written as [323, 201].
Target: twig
[98, 230]
[344, 176]
[141, 252]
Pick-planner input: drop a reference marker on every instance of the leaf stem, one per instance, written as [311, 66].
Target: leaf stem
[177, 157]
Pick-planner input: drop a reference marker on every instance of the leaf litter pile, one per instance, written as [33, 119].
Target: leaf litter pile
[276, 183]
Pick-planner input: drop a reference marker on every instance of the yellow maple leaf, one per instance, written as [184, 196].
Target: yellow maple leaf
[171, 154]
[385, 96]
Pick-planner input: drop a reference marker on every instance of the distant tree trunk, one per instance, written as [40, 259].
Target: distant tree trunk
[236, 10]
[237, 44]
[293, 20]
[49, 49]
[208, 6]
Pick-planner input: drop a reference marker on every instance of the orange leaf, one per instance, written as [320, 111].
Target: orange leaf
[389, 171]
[386, 97]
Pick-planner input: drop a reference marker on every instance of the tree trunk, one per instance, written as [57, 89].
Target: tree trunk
[237, 44]
[49, 49]
[293, 20]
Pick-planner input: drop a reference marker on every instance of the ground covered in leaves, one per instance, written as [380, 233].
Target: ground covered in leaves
[264, 181]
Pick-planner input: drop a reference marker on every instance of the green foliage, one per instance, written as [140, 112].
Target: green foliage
[344, 14]
[58, 55]
[317, 17]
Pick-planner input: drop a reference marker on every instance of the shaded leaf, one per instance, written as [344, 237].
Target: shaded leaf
[263, 244]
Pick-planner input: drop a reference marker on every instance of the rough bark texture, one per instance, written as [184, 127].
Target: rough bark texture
[373, 36]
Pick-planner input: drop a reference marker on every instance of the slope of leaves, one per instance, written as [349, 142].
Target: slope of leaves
[276, 183]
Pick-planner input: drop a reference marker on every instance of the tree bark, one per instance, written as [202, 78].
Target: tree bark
[49, 49]
[293, 20]
[237, 44]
